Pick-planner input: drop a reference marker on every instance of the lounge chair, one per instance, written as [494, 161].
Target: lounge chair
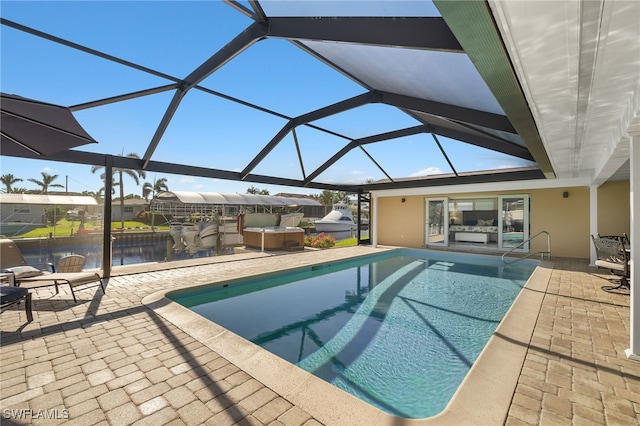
[10, 295]
[12, 262]
[612, 254]
[69, 270]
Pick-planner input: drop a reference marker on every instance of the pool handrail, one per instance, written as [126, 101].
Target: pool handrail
[541, 253]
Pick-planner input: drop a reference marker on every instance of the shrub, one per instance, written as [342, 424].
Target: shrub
[320, 241]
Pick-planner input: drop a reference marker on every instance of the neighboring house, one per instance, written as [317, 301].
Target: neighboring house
[132, 206]
[30, 208]
[18, 211]
[21, 212]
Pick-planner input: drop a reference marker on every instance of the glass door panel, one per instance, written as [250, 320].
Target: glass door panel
[437, 226]
[513, 230]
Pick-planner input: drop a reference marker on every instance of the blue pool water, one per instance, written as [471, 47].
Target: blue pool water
[399, 330]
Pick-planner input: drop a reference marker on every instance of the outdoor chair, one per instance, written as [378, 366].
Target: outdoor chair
[10, 295]
[69, 270]
[625, 238]
[71, 263]
[12, 262]
[612, 254]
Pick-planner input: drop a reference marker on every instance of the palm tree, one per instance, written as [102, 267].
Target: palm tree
[8, 180]
[100, 193]
[147, 189]
[253, 190]
[46, 182]
[87, 193]
[157, 186]
[133, 174]
[328, 198]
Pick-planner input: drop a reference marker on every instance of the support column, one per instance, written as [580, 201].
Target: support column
[106, 217]
[634, 195]
[373, 220]
[593, 221]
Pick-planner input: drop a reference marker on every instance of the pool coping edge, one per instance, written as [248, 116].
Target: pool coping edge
[497, 368]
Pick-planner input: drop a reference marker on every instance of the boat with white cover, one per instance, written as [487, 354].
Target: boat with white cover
[175, 230]
[190, 237]
[209, 235]
[339, 219]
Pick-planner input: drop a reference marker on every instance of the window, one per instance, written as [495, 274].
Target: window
[21, 209]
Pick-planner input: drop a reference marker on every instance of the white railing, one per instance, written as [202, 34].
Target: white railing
[541, 253]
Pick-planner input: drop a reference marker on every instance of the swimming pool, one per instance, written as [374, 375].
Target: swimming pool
[393, 329]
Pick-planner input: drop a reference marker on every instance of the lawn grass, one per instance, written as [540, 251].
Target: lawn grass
[66, 228]
[347, 243]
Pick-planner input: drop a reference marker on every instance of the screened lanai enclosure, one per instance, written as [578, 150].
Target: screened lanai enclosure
[348, 96]
[380, 97]
[332, 84]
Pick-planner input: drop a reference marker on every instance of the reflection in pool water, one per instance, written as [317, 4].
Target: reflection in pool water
[397, 330]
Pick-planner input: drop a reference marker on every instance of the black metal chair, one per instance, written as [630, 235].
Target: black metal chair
[625, 238]
[10, 295]
[612, 254]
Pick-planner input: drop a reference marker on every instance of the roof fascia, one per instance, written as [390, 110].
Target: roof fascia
[473, 25]
[48, 199]
[460, 180]
[513, 185]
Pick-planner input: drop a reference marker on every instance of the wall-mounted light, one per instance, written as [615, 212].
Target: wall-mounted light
[403, 199]
[565, 194]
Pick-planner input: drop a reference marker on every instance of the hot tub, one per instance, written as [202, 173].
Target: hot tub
[275, 237]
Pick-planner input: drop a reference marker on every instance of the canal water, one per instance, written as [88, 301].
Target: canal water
[123, 252]
[126, 251]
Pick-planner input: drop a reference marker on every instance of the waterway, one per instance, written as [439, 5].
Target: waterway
[128, 249]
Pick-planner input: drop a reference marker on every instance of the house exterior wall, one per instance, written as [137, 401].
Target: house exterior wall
[401, 224]
[614, 216]
[130, 211]
[128, 215]
[26, 213]
[566, 219]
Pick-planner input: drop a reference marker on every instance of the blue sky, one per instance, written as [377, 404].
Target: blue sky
[174, 38]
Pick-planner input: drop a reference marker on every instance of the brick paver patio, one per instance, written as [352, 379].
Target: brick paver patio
[109, 359]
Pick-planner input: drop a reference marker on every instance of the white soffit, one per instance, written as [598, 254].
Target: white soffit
[578, 64]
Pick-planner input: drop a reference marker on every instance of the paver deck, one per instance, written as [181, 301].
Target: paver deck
[110, 359]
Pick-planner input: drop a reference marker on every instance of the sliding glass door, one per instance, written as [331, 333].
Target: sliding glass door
[513, 229]
[437, 224]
